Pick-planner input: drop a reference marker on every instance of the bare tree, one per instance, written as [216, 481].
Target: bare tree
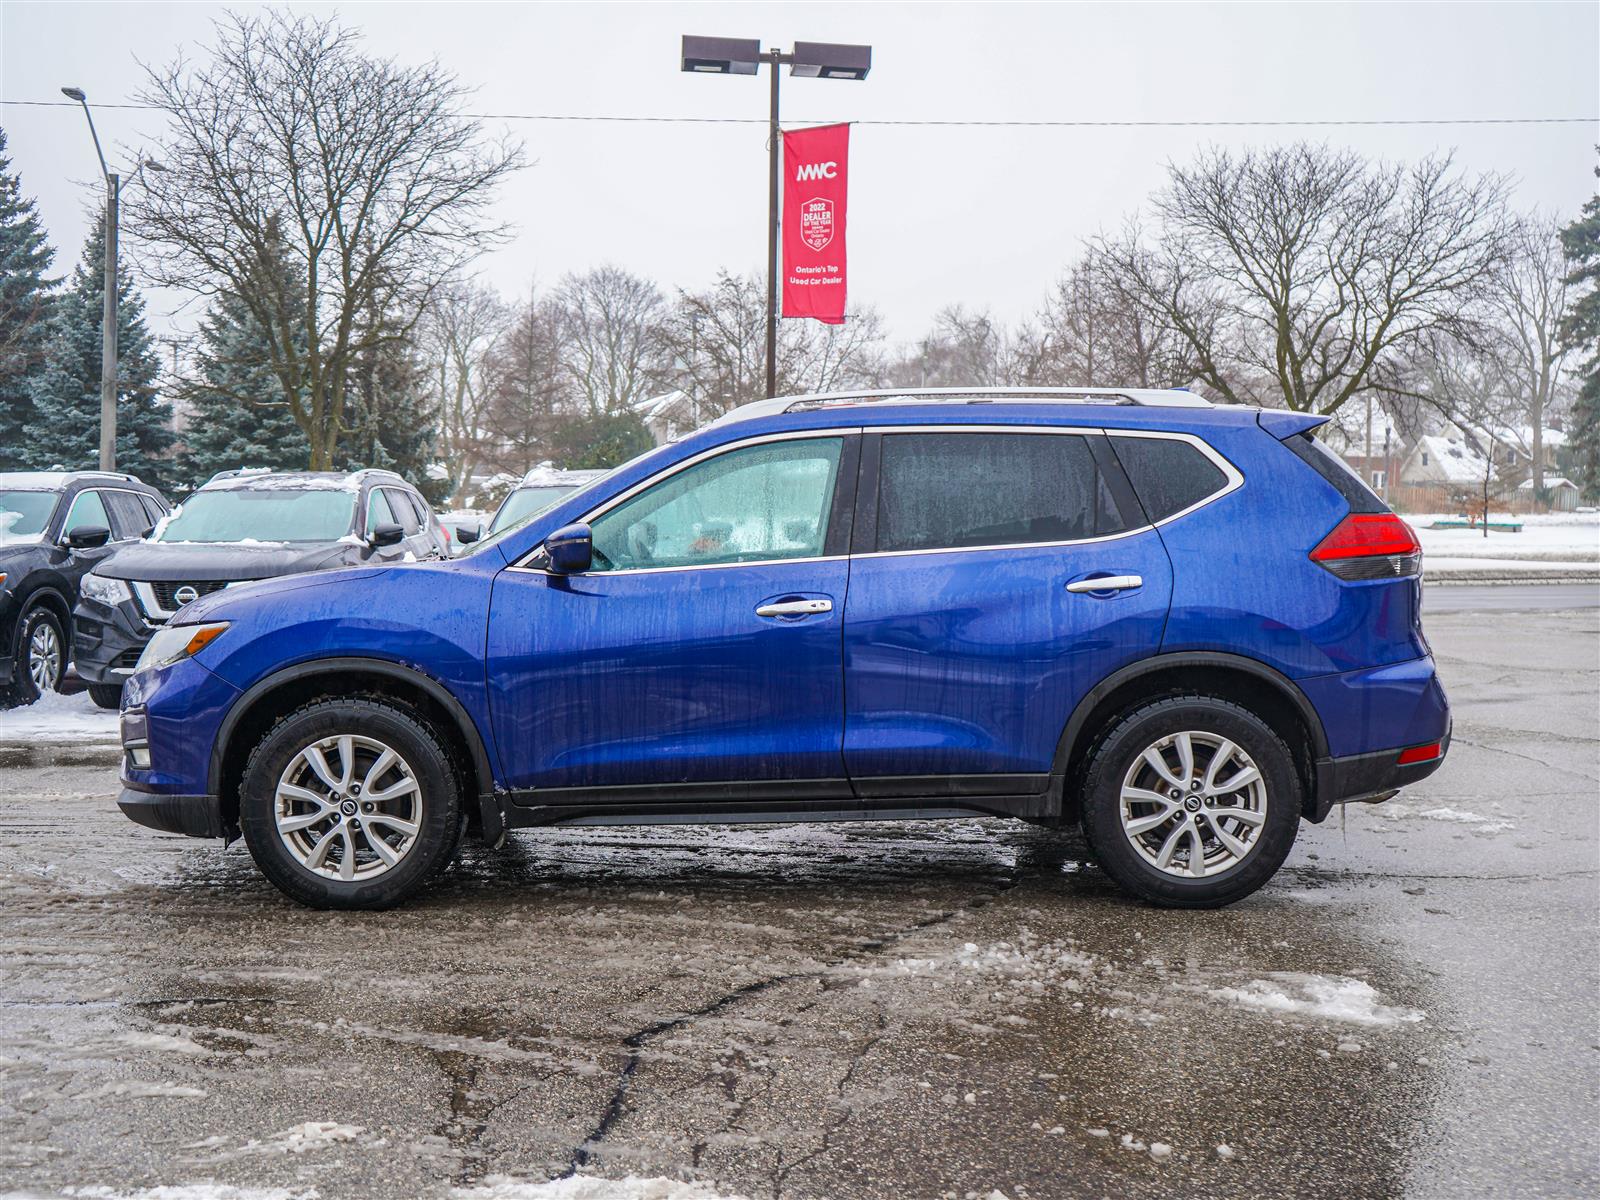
[458, 330]
[613, 351]
[1094, 332]
[965, 348]
[526, 385]
[379, 184]
[1293, 273]
[715, 342]
[1529, 301]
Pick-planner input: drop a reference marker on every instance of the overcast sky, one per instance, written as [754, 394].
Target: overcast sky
[981, 215]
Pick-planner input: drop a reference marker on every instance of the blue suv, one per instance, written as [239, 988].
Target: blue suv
[1185, 627]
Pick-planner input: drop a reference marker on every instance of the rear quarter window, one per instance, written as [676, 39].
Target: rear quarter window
[1336, 471]
[1169, 475]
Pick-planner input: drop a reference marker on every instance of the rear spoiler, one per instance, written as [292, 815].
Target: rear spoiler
[1283, 424]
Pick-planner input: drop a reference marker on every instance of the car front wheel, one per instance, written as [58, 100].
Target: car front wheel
[1191, 802]
[350, 803]
[41, 656]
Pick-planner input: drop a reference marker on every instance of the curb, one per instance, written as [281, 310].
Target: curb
[60, 754]
[1493, 577]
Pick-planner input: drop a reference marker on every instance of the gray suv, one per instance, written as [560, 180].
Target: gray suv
[238, 527]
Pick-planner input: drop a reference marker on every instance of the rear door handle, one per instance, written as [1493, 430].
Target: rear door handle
[794, 608]
[1106, 583]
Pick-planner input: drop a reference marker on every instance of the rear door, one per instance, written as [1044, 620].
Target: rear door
[973, 624]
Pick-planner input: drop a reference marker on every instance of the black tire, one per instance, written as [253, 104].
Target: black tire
[1124, 743]
[439, 829]
[106, 695]
[22, 689]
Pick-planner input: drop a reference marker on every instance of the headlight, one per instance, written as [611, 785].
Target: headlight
[107, 591]
[177, 642]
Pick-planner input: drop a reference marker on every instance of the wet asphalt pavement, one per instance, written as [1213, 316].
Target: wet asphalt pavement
[885, 1010]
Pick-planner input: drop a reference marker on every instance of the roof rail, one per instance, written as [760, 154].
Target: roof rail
[1153, 397]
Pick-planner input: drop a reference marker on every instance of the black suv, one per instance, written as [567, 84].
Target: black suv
[238, 527]
[55, 526]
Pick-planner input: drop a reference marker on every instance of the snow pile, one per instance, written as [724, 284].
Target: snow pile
[311, 1135]
[1454, 816]
[1328, 997]
[54, 717]
[589, 1187]
[182, 1191]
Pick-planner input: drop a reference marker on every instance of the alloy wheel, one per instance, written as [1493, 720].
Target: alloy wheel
[44, 657]
[348, 807]
[1193, 804]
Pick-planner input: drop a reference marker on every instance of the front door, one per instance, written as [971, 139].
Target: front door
[700, 657]
[974, 625]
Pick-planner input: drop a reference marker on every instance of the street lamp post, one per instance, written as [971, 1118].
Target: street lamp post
[108, 320]
[808, 60]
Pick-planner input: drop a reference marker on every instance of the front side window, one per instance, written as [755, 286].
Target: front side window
[943, 491]
[24, 516]
[87, 511]
[378, 511]
[755, 504]
[263, 515]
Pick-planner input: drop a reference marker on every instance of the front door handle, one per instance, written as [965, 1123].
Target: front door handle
[1106, 583]
[794, 608]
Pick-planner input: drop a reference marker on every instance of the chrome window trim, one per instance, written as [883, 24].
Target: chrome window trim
[1234, 481]
[661, 476]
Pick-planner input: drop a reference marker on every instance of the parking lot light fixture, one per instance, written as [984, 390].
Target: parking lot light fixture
[108, 320]
[808, 60]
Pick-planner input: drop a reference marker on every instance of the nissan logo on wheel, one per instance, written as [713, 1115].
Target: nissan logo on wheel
[185, 594]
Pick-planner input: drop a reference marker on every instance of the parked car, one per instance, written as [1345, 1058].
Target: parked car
[241, 526]
[1184, 627]
[55, 526]
[540, 488]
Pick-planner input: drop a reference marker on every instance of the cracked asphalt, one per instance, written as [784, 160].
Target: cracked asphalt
[884, 1010]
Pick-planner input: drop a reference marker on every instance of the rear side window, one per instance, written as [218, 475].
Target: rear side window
[939, 491]
[1336, 471]
[128, 517]
[1169, 475]
[404, 511]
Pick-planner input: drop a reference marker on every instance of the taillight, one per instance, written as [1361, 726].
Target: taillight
[1370, 546]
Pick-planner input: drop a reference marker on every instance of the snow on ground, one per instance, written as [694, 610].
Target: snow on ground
[1545, 537]
[183, 1191]
[588, 1187]
[55, 718]
[1329, 997]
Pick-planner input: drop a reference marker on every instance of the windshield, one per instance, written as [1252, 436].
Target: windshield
[502, 527]
[524, 502]
[24, 515]
[261, 515]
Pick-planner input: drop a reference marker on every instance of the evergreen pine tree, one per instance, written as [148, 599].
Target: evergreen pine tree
[1580, 331]
[388, 419]
[65, 429]
[25, 303]
[238, 415]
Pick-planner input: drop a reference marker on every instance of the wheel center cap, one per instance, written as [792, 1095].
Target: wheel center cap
[349, 808]
[1192, 804]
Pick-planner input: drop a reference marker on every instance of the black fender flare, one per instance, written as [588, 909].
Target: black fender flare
[343, 665]
[61, 610]
[1179, 659]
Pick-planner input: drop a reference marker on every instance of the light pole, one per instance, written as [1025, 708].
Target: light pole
[108, 319]
[808, 60]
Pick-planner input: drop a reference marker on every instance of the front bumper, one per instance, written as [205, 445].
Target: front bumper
[107, 640]
[192, 816]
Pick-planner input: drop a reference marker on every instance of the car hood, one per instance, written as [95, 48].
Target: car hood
[197, 562]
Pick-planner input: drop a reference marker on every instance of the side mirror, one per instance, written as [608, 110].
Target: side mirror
[386, 534]
[468, 533]
[571, 549]
[87, 537]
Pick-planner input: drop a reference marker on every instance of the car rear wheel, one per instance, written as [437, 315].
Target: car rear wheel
[350, 803]
[1191, 802]
[41, 656]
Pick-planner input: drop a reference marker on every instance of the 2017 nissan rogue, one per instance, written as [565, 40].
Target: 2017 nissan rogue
[1186, 627]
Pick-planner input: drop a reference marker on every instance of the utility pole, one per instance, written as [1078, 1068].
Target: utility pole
[108, 319]
[774, 149]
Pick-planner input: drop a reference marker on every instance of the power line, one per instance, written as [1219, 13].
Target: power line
[1262, 124]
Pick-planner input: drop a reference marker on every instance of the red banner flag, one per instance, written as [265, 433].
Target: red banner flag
[815, 170]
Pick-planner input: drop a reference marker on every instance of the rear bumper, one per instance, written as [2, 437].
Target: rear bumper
[192, 816]
[1360, 777]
